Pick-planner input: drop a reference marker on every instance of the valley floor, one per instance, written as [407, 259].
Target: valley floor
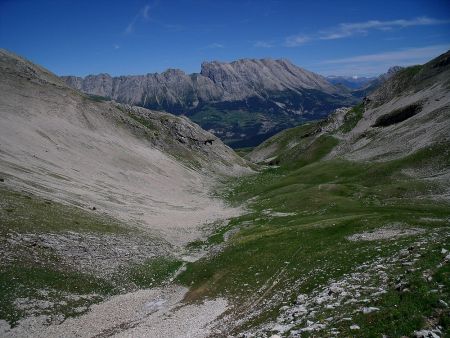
[326, 248]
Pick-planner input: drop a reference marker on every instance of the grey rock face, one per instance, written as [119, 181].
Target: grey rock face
[250, 77]
[217, 81]
[270, 94]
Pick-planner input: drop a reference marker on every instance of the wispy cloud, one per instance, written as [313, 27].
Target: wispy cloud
[372, 64]
[214, 45]
[296, 40]
[142, 14]
[145, 12]
[344, 30]
[263, 44]
[116, 46]
[404, 55]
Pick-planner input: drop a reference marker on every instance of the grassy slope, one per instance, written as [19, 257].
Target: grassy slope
[324, 202]
[352, 118]
[296, 146]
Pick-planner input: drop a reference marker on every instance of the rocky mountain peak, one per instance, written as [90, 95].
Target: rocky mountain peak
[273, 87]
[394, 69]
[173, 72]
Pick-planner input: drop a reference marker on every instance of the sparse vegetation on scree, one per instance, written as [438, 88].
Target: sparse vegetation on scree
[35, 279]
[294, 241]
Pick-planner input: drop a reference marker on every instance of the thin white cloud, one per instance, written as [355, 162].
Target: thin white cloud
[215, 45]
[374, 64]
[143, 14]
[345, 30]
[404, 55]
[361, 28]
[116, 46]
[263, 44]
[296, 40]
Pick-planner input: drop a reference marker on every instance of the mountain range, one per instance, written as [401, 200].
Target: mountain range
[242, 102]
[351, 82]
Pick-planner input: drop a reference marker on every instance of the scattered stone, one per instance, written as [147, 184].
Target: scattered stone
[403, 253]
[336, 289]
[354, 327]
[348, 295]
[401, 286]
[99, 254]
[385, 233]
[301, 299]
[367, 310]
[425, 334]
[447, 258]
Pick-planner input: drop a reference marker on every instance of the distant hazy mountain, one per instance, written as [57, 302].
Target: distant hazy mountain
[243, 102]
[350, 82]
[375, 83]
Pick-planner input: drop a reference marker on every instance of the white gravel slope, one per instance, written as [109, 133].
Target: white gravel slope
[155, 313]
[59, 145]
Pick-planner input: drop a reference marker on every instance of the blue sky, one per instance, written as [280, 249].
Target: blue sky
[139, 37]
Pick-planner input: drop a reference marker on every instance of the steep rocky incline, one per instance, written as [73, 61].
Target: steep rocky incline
[408, 112]
[241, 100]
[146, 168]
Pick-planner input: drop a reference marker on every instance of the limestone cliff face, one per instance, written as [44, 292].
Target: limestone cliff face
[250, 77]
[217, 81]
[268, 95]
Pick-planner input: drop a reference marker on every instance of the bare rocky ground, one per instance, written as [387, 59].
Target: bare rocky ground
[145, 313]
[389, 232]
